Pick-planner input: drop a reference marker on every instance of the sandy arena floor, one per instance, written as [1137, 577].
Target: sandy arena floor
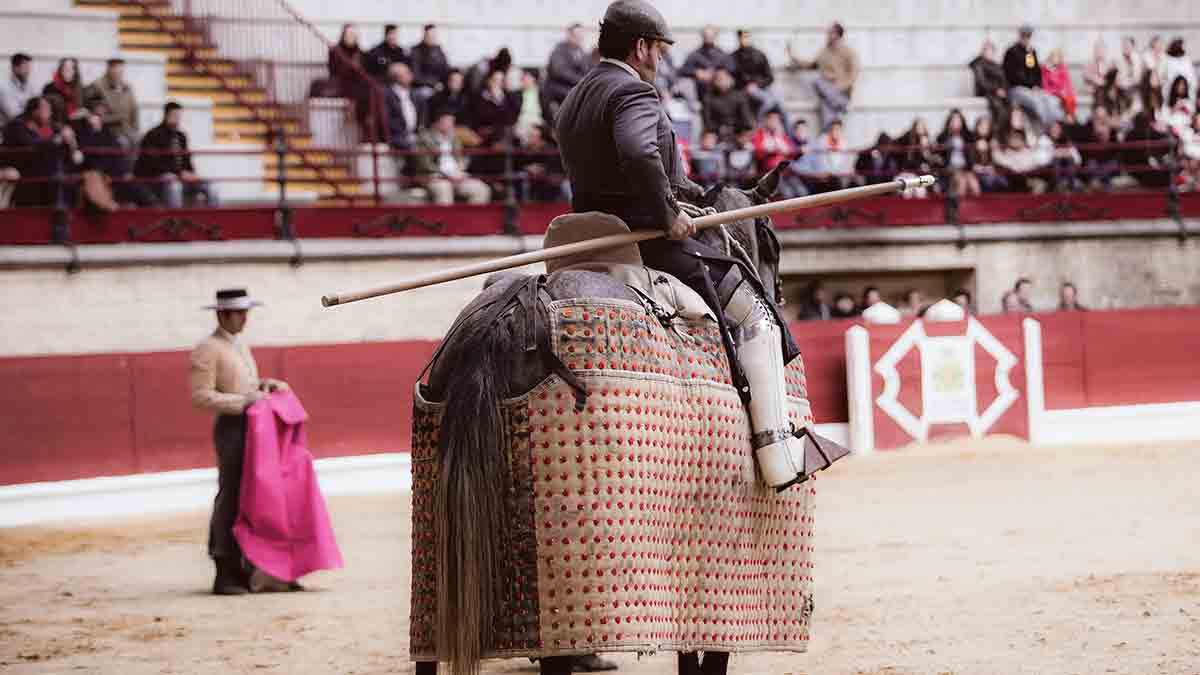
[982, 558]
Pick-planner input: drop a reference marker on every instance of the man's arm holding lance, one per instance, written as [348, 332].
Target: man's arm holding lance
[635, 133]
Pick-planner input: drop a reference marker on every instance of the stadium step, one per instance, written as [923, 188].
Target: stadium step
[136, 22]
[179, 66]
[156, 37]
[207, 83]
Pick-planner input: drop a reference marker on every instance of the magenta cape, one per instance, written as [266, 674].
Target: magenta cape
[282, 524]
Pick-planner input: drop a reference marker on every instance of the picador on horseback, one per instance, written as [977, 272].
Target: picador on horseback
[602, 454]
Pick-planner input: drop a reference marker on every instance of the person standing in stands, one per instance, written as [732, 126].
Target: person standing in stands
[164, 156]
[989, 80]
[224, 380]
[429, 64]
[15, 90]
[700, 67]
[119, 97]
[345, 58]
[379, 60]
[568, 63]
[837, 68]
[1024, 76]
[65, 92]
[754, 76]
[403, 114]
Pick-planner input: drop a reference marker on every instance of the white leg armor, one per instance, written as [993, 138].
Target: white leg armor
[779, 453]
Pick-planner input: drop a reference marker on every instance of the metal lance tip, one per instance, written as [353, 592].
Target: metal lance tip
[328, 300]
[918, 182]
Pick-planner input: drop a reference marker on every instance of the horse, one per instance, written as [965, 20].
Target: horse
[615, 385]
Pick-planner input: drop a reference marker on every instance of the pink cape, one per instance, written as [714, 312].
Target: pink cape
[282, 524]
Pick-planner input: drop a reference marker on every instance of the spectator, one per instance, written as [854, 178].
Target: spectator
[530, 114]
[815, 306]
[1151, 91]
[478, 74]
[1024, 76]
[914, 303]
[742, 168]
[494, 109]
[843, 306]
[754, 76]
[121, 101]
[379, 60]
[870, 298]
[1100, 163]
[1068, 298]
[916, 147]
[982, 162]
[1024, 292]
[569, 62]
[345, 59]
[837, 66]
[1149, 163]
[962, 298]
[1118, 102]
[42, 152]
[15, 90]
[1097, 70]
[451, 98]
[65, 92]
[1152, 59]
[727, 110]
[1066, 159]
[878, 163]
[8, 181]
[103, 153]
[429, 64]
[1178, 67]
[772, 144]
[165, 158]
[1009, 303]
[1129, 67]
[701, 65]
[1056, 80]
[989, 79]
[800, 136]
[444, 166]
[542, 177]
[402, 112]
[1021, 163]
[827, 165]
[1190, 148]
[708, 161]
[955, 141]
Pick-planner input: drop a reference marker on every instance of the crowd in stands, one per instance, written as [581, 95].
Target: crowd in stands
[77, 144]
[818, 305]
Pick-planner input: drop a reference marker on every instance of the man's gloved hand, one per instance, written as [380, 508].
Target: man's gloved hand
[682, 228]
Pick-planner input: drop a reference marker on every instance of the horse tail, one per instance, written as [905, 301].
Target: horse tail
[469, 504]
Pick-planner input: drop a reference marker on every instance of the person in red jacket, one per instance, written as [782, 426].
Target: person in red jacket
[1056, 80]
[772, 144]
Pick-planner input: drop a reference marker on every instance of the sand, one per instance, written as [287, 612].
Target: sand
[985, 557]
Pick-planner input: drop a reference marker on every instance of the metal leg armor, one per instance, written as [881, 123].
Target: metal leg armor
[779, 453]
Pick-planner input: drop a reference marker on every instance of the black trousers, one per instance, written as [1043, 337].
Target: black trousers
[229, 437]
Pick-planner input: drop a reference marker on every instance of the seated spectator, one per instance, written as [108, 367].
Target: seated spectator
[1024, 76]
[727, 110]
[843, 306]
[478, 74]
[530, 114]
[379, 60]
[1009, 304]
[918, 155]
[1021, 163]
[870, 298]
[429, 64]
[1068, 298]
[444, 166]
[800, 136]
[1179, 101]
[401, 110]
[962, 298]
[104, 154]
[1149, 161]
[493, 112]
[41, 153]
[1023, 290]
[1129, 67]
[815, 306]
[772, 144]
[827, 165]
[743, 171]
[542, 178]
[878, 163]
[569, 62]
[754, 77]
[955, 142]
[164, 157]
[1189, 145]
[1100, 163]
[837, 66]
[65, 92]
[708, 161]
[700, 67]
[991, 179]
[1151, 91]
[451, 97]
[1117, 101]
[989, 79]
[8, 181]
[1152, 58]
[914, 303]
[1097, 70]
[1066, 159]
[345, 60]
[121, 101]
[1056, 80]
[15, 90]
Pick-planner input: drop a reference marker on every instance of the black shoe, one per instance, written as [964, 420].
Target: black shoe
[229, 580]
[591, 663]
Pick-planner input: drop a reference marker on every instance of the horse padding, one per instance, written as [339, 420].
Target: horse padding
[637, 523]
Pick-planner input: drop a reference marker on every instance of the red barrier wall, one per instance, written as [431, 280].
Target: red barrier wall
[66, 417]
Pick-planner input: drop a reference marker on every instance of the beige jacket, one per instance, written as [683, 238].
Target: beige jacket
[122, 116]
[223, 374]
[838, 64]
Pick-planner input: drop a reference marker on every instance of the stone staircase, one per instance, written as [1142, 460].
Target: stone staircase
[242, 110]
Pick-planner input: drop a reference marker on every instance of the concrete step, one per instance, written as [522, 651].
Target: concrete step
[157, 38]
[177, 66]
[172, 52]
[133, 23]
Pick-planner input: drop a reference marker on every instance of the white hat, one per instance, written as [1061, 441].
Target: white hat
[233, 299]
[945, 310]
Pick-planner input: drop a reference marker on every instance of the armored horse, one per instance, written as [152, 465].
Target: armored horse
[583, 474]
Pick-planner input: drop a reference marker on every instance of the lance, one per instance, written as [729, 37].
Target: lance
[616, 240]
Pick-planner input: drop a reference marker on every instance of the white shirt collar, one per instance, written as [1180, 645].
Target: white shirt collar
[628, 68]
[227, 335]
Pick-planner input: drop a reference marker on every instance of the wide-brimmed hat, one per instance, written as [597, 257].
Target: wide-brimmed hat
[233, 299]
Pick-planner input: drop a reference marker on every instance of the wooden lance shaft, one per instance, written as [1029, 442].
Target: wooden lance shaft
[615, 240]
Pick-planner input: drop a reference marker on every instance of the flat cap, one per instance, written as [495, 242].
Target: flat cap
[637, 17]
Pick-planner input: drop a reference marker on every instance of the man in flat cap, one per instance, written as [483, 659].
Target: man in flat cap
[224, 380]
